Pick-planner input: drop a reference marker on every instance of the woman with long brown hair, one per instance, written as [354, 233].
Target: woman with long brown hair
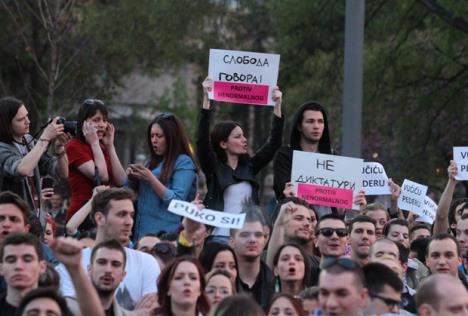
[169, 174]
[180, 289]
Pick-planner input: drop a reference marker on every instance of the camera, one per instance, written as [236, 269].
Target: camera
[68, 126]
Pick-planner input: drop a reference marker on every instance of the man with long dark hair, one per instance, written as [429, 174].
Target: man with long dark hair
[23, 159]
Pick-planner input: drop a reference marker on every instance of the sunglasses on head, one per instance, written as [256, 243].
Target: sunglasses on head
[93, 102]
[164, 115]
[328, 232]
[345, 263]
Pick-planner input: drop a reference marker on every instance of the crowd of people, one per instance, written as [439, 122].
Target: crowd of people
[113, 248]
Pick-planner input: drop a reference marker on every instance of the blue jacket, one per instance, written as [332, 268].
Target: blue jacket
[152, 214]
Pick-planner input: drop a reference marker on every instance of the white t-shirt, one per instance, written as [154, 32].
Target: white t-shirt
[142, 274]
[234, 195]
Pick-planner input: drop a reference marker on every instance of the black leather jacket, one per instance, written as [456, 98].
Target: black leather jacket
[219, 175]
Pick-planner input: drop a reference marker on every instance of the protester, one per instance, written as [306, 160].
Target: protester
[284, 304]
[384, 288]
[229, 170]
[342, 288]
[442, 295]
[443, 255]
[147, 242]
[380, 215]
[43, 301]
[113, 212]
[14, 218]
[23, 159]
[361, 238]
[448, 213]
[331, 236]
[106, 271]
[296, 222]
[291, 269]
[181, 287]
[92, 159]
[419, 230]
[219, 256]
[397, 230]
[219, 285]
[309, 132]
[169, 174]
[254, 276]
[462, 238]
[21, 264]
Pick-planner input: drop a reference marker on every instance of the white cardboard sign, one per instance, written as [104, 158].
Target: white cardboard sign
[374, 179]
[243, 77]
[206, 216]
[412, 196]
[460, 155]
[327, 179]
[429, 211]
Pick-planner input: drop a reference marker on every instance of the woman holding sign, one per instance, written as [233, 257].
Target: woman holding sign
[169, 174]
[230, 171]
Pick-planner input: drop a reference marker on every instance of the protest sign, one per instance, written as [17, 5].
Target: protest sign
[243, 77]
[374, 179]
[326, 179]
[206, 216]
[460, 155]
[412, 196]
[429, 211]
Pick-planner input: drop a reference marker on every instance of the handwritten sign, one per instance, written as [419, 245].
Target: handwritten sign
[460, 155]
[206, 216]
[243, 77]
[374, 179]
[327, 179]
[412, 196]
[429, 211]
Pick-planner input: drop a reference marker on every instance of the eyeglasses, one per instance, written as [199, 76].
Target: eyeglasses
[328, 232]
[93, 102]
[391, 303]
[345, 263]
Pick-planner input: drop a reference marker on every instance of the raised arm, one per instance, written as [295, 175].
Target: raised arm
[68, 251]
[265, 154]
[277, 235]
[205, 154]
[441, 223]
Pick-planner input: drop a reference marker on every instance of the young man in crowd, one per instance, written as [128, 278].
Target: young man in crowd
[248, 243]
[331, 235]
[14, 218]
[419, 230]
[442, 295]
[443, 256]
[107, 270]
[384, 288]
[112, 211]
[361, 238]
[342, 288]
[21, 264]
[296, 222]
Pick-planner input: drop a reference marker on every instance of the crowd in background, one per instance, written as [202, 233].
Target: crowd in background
[113, 248]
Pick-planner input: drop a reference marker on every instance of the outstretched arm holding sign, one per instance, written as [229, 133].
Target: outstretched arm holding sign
[441, 223]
